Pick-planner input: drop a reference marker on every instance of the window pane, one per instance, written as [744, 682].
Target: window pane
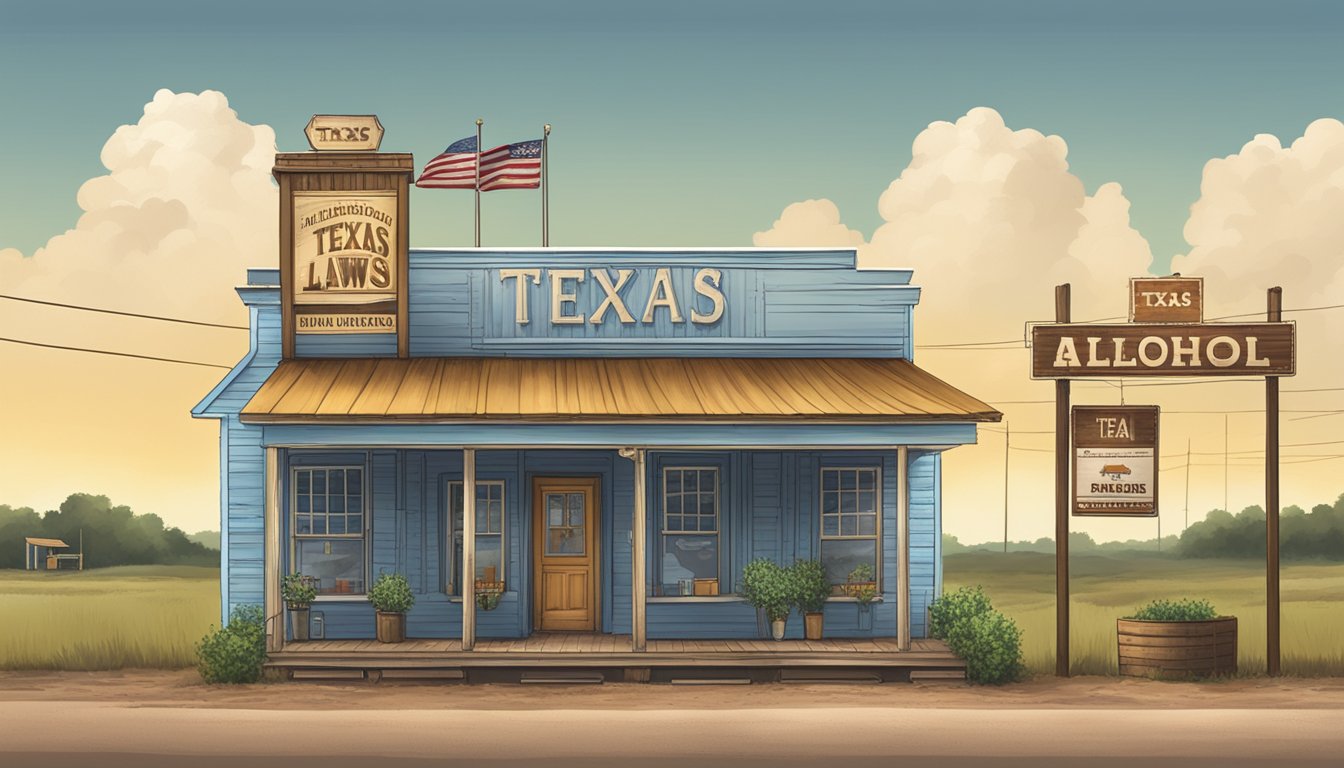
[496, 516]
[867, 501]
[336, 524]
[690, 482]
[303, 524]
[690, 557]
[303, 483]
[867, 525]
[336, 482]
[849, 525]
[673, 479]
[840, 556]
[576, 509]
[707, 504]
[489, 553]
[336, 504]
[848, 503]
[830, 525]
[337, 564]
[830, 503]
[482, 514]
[868, 479]
[830, 480]
[555, 508]
[707, 480]
[319, 481]
[354, 524]
[565, 541]
[674, 523]
[320, 505]
[847, 479]
[354, 485]
[305, 505]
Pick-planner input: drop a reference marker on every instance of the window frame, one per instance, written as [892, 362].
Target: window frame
[876, 536]
[451, 574]
[365, 533]
[662, 530]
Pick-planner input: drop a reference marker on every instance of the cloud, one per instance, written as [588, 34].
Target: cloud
[812, 224]
[186, 205]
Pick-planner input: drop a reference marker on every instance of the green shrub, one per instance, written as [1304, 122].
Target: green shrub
[391, 593]
[951, 610]
[989, 642]
[235, 653]
[811, 587]
[767, 587]
[1175, 610]
[297, 591]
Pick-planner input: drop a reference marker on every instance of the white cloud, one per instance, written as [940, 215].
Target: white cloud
[186, 206]
[812, 224]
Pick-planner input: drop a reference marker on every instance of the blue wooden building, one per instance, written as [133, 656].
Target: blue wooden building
[630, 427]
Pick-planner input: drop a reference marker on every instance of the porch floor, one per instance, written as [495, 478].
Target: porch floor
[611, 657]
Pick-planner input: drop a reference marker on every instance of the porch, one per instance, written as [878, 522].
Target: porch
[571, 657]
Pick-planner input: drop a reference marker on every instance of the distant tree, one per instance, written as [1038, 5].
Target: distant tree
[112, 535]
[1315, 534]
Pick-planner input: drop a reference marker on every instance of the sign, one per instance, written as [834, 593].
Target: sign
[628, 295]
[1115, 460]
[345, 322]
[1068, 350]
[345, 247]
[344, 133]
[1166, 300]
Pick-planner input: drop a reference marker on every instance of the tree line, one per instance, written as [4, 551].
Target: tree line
[113, 535]
[1303, 535]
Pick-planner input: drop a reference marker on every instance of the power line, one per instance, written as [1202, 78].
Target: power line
[124, 314]
[116, 354]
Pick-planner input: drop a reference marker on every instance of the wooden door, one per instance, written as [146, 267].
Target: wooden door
[565, 518]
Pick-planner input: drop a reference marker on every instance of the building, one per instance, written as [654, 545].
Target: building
[668, 413]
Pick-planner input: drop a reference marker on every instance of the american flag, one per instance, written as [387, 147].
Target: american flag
[508, 166]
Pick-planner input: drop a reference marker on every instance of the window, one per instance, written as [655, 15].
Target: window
[690, 535]
[849, 521]
[489, 532]
[328, 527]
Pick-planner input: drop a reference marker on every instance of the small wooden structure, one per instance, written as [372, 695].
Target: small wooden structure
[39, 554]
[1178, 648]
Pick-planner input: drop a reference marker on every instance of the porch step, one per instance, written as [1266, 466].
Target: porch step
[423, 674]
[561, 677]
[938, 676]
[710, 681]
[849, 676]
[326, 674]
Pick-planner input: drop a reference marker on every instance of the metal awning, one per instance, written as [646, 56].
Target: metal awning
[606, 390]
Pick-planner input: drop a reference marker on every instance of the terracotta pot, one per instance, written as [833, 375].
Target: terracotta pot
[812, 625]
[1177, 648]
[391, 627]
[298, 623]
[777, 628]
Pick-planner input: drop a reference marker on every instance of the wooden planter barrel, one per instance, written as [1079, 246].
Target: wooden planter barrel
[391, 627]
[1178, 648]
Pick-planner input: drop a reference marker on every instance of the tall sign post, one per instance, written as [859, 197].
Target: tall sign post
[344, 221]
[1117, 446]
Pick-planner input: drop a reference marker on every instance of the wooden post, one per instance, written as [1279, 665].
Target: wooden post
[1062, 502]
[1274, 315]
[275, 615]
[468, 549]
[638, 567]
[902, 549]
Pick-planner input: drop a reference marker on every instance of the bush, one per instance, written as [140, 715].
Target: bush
[990, 642]
[391, 593]
[235, 653]
[1175, 610]
[811, 587]
[297, 591]
[767, 587]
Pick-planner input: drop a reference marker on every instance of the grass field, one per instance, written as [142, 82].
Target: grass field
[1104, 588]
[110, 618]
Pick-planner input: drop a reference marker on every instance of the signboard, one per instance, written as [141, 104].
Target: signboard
[1166, 300]
[344, 133]
[1115, 460]
[1071, 350]
[345, 247]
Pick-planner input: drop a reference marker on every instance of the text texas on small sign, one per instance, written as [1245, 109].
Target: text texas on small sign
[1077, 350]
[1115, 460]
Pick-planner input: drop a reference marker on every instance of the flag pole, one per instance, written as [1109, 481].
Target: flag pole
[545, 199]
[479, 122]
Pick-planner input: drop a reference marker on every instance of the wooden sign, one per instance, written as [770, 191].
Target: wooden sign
[344, 133]
[1067, 350]
[1115, 460]
[1166, 300]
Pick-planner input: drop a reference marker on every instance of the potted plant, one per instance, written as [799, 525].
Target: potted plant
[811, 589]
[298, 592]
[391, 597]
[488, 594]
[1183, 638]
[766, 587]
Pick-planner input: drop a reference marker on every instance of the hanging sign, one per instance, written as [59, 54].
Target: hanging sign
[344, 133]
[1115, 460]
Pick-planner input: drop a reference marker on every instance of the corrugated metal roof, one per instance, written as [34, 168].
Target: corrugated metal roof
[608, 390]
[45, 542]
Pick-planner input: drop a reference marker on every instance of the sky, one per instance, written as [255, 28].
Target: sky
[996, 147]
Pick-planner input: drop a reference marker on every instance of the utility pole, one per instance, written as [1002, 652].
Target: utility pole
[1187, 483]
[1225, 508]
[1007, 438]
